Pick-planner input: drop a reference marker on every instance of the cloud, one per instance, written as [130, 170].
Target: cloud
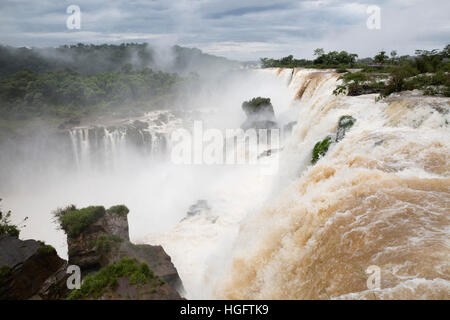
[244, 30]
[247, 10]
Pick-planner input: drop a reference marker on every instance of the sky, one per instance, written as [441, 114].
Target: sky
[236, 29]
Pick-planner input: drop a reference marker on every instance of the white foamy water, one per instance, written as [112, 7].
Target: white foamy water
[381, 197]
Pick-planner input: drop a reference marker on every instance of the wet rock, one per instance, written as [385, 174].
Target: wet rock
[260, 114]
[106, 241]
[197, 208]
[269, 152]
[25, 265]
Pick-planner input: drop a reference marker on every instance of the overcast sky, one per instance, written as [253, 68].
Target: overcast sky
[237, 29]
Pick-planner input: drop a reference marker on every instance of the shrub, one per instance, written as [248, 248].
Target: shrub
[46, 249]
[73, 221]
[5, 225]
[94, 286]
[344, 124]
[105, 243]
[320, 149]
[120, 210]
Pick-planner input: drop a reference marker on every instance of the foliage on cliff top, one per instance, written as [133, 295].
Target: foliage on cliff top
[73, 221]
[120, 210]
[94, 286]
[46, 249]
[257, 105]
[5, 224]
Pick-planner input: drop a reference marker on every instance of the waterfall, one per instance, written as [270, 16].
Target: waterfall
[378, 198]
[101, 147]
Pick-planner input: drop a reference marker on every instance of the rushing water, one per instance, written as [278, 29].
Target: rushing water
[380, 197]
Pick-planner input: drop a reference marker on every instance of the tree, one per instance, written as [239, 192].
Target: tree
[381, 57]
[5, 225]
[446, 51]
[287, 61]
[319, 52]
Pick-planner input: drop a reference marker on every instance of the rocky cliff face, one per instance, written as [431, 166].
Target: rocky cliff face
[106, 241]
[29, 269]
[85, 248]
[98, 242]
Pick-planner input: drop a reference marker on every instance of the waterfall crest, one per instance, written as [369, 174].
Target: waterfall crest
[378, 197]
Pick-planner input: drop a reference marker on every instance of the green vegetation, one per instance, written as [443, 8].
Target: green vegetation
[357, 83]
[333, 59]
[94, 286]
[381, 57]
[429, 71]
[258, 105]
[286, 62]
[66, 94]
[5, 271]
[73, 221]
[320, 149]
[120, 210]
[105, 243]
[90, 59]
[66, 85]
[344, 124]
[46, 249]
[5, 225]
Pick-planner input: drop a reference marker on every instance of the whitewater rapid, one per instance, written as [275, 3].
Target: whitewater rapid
[380, 197]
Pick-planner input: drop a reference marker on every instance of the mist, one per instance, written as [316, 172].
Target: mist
[48, 171]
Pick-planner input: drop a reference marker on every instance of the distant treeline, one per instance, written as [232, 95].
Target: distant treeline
[330, 59]
[424, 60]
[92, 59]
[66, 93]
[77, 80]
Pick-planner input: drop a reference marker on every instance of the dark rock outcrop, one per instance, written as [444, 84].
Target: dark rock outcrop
[155, 257]
[198, 207]
[260, 114]
[201, 208]
[25, 266]
[83, 248]
[106, 241]
[127, 291]
[97, 240]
